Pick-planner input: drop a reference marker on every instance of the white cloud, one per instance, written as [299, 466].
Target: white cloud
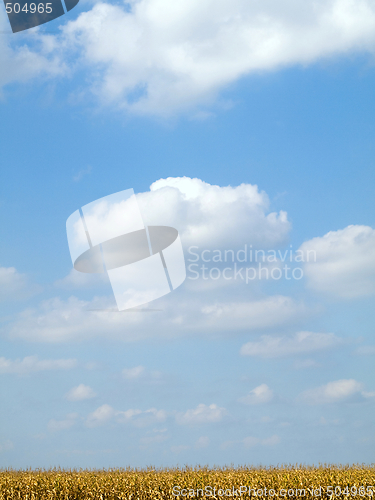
[301, 342]
[82, 173]
[260, 395]
[80, 393]
[345, 262]
[210, 216]
[159, 56]
[366, 350]
[139, 418]
[57, 320]
[61, 425]
[207, 216]
[31, 364]
[129, 414]
[265, 313]
[11, 281]
[20, 63]
[14, 285]
[139, 373]
[133, 373]
[336, 392]
[100, 415]
[202, 414]
[368, 394]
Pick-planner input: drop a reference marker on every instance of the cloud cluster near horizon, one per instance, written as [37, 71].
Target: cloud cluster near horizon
[334, 392]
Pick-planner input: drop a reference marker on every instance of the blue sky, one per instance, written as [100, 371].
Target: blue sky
[278, 98]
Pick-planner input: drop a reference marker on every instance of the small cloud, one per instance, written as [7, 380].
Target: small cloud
[100, 416]
[31, 364]
[366, 394]
[141, 418]
[285, 424]
[82, 173]
[140, 373]
[133, 373]
[202, 442]
[202, 414]
[335, 392]
[260, 395]
[301, 342]
[80, 393]
[60, 425]
[128, 414]
[137, 417]
[366, 350]
[15, 286]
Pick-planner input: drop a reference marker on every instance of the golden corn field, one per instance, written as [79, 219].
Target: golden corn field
[325, 481]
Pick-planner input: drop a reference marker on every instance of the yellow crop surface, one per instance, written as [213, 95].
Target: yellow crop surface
[286, 482]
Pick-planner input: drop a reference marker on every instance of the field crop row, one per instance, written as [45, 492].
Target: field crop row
[289, 482]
